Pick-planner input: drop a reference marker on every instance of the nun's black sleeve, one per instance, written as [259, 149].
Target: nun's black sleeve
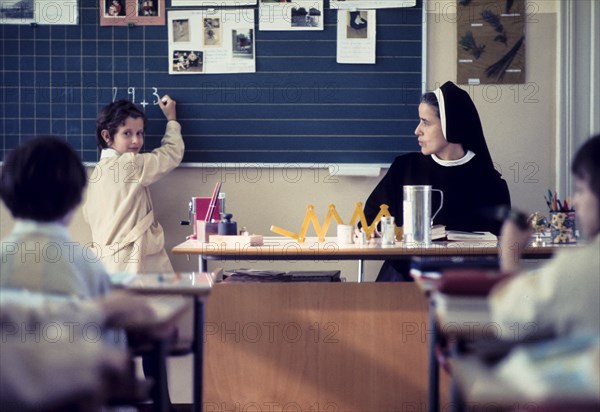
[497, 195]
[388, 191]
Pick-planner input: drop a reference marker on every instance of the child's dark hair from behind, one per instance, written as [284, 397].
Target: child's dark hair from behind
[112, 116]
[585, 164]
[42, 180]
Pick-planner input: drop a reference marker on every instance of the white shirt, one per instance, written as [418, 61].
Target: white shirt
[42, 257]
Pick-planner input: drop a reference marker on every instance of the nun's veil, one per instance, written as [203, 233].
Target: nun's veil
[460, 120]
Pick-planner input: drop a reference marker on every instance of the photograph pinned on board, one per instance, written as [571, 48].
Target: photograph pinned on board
[188, 61]
[147, 8]
[181, 30]
[293, 15]
[17, 10]
[40, 12]
[356, 37]
[357, 25]
[132, 13]
[300, 17]
[221, 43]
[114, 8]
[212, 32]
[242, 43]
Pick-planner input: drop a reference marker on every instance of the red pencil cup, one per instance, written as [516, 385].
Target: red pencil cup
[562, 227]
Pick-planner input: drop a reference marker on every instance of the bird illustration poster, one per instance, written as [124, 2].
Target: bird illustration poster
[491, 41]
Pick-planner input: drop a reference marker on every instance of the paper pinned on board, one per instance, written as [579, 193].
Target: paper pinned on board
[356, 36]
[211, 41]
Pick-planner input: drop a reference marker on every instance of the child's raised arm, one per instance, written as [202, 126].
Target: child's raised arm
[167, 105]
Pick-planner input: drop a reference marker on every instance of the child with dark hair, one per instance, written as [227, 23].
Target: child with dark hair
[118, 205]
[42, 183]
[563, 296]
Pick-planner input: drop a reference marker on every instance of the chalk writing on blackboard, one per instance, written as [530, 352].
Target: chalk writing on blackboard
[131, 96]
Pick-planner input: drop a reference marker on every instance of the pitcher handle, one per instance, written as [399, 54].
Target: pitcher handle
[441, 204]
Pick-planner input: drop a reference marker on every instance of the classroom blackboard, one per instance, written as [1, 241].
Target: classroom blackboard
[299, 107]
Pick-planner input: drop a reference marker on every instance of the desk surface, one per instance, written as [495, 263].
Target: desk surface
[177, 283]
[282, 248]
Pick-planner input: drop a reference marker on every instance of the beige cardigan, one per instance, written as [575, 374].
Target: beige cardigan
[126, 234]
[562, 297]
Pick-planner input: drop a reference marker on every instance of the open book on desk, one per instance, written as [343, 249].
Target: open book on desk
[468, 236]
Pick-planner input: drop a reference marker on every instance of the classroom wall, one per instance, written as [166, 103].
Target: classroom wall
[518, 121]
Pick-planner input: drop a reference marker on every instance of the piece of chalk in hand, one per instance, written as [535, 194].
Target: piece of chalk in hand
[164, 100]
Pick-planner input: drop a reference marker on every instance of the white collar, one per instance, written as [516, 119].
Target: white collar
[53, 229]
[448, 163]
[107, 153]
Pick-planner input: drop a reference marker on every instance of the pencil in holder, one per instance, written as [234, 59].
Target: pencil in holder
[562, 227]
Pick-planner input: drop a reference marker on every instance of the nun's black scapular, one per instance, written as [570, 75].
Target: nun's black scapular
[471, 185]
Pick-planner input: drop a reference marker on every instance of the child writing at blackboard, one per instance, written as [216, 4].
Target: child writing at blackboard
[118, 205]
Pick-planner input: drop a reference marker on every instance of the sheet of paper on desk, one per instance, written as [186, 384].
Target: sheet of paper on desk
[121, 279]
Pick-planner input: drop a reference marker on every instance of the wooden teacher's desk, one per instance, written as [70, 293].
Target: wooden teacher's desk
[315, 346]
[320, 346]
[280, 248]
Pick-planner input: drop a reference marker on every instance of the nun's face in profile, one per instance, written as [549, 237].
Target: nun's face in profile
[429, 131]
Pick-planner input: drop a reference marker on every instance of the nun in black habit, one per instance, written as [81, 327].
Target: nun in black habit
[455, 159]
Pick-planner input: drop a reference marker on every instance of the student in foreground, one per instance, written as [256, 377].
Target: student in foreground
[562, 297]
[455, 159]
[50, 358]
[42, 183]
[118, 205]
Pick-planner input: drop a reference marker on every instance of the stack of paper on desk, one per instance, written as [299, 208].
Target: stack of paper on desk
[256, 275]
[471, 236]
[438, 232]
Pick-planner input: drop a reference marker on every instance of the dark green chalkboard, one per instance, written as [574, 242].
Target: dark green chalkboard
[300, 106]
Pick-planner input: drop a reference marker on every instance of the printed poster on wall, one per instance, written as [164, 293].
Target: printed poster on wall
[211, 41]
[290, 16]
[491, 42]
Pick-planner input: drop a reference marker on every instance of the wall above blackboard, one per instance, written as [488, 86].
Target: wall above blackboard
[299, 107]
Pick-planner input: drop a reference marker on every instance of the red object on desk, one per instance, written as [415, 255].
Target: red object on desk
[473, 282]
[201, 207]
[213, 202]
